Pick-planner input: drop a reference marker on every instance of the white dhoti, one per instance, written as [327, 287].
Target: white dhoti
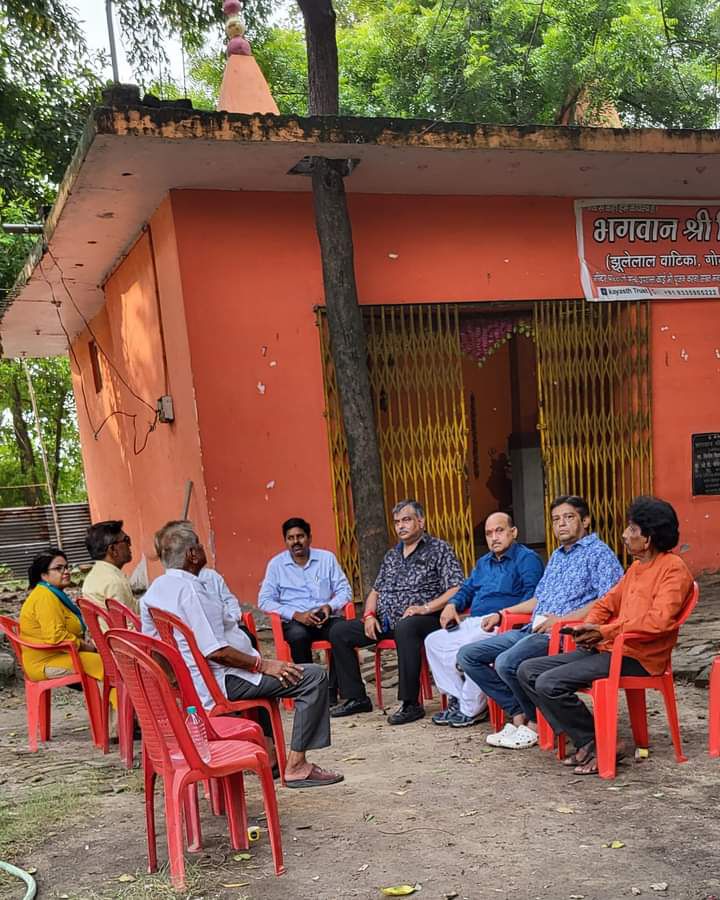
[441, 649]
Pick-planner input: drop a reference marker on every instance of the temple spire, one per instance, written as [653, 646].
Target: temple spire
[243, 88]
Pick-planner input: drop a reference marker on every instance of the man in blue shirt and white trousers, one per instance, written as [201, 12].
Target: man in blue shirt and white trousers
[579, 572]
[308, 590]
[507, 574]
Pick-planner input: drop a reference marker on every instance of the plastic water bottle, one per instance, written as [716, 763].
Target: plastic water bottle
[196, 728]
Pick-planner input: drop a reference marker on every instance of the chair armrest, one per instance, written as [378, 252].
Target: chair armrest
[510, 620]
[349, 610]
[281, 646]
[556, 639]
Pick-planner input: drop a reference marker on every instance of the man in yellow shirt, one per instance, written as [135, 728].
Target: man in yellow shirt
[110, 547]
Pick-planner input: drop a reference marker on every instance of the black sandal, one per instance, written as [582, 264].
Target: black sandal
[581, 756]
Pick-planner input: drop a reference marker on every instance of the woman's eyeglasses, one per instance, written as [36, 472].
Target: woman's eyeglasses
[65, 568]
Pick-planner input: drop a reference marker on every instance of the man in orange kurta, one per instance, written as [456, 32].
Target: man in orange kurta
[648, 599]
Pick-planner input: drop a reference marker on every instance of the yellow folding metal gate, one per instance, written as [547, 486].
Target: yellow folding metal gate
[595, 407]
[416, 379]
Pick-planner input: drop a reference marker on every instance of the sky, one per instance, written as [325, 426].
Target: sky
[92, 14]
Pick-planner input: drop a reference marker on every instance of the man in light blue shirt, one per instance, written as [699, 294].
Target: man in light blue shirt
[308, 590]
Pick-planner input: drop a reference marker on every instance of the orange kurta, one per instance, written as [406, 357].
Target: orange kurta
[648, 598]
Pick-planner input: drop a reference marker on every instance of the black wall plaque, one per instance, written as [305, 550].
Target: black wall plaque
[706, 463]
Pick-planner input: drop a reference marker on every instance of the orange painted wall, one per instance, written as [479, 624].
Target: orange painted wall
[685, 347]
[147, 488]
[249, 276]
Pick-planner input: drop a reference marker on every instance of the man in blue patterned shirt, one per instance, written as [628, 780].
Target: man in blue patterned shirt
[416, 579]
[578, 573]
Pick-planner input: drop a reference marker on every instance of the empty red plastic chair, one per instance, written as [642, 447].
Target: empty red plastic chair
[509, 621]
[95, 618]
[282, 648]
[714, 709]
[604, 693]
[425, 683]
[172, 754]
[37, 693]
[228, 727]
[122, 616]
[166, 623]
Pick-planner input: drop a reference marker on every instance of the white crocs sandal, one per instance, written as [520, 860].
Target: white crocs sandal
[522, 738]
[497, 739]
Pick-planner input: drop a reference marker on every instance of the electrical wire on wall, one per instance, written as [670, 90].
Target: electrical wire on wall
[97, 429]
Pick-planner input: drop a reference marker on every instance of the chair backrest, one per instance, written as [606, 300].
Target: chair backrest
[248, 620]
[11, 629]
[122, 616]
[95, 618]
[691, 601]
[155, 702]
[166, 624]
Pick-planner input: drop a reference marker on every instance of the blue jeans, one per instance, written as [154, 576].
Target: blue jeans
[506, 651]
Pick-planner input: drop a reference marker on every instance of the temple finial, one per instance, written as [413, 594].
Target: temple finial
[244, 88]
[235, 29]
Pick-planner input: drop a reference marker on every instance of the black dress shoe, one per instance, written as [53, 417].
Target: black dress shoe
[407, 712]
[350, 707]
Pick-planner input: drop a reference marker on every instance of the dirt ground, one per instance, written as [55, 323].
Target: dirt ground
[420, 805]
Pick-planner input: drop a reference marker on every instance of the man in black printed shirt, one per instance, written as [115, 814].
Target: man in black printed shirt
[416, 579]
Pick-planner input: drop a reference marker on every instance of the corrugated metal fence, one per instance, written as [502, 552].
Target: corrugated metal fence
[26, 531]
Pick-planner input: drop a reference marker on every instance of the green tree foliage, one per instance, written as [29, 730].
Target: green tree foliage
[20, 461]
[510, 61]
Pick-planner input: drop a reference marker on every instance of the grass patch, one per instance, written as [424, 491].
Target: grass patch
[200, 882]
[29, 818]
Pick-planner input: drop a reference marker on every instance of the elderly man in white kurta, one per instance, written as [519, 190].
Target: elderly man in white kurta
[240, 671]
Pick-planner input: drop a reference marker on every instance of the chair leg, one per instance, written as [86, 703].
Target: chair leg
[278, 738]
[425, 682]
[233, 787]
[149, 779]
[173, 827]
[714, 710]
[546, 737]
[605, 703]
[191, 816]
[271, 811]
[668, 692]
[217, 802]
[126, 728]
[638, 716]
[561, 747]
[93, 703]
[497, 715]
[378, 678]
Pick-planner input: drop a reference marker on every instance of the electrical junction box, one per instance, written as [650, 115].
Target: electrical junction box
[165, 409]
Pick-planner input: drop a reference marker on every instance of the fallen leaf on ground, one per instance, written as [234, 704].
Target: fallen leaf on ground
[487, 749]
[31, 870]
[577, 896]
[316, 878]
[126, 878]
[659, 794]
[470, 812]
[660, 886]
[564, 809]
[364, 867]
[354, 758]
[401, 890]
[240, 857]
[234, 884]
[400, 793]
[614, 845]
[451, 896]
[302, 827]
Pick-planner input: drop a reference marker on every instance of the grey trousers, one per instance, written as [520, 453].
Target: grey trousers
[311, 723]
[551, 683]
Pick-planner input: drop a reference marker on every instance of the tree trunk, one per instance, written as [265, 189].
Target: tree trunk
[321, 44]
[58, 441]
[26, 454]
[349, 353]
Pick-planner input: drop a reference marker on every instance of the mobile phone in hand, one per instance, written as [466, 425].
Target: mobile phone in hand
[568, 629]
[451, 626]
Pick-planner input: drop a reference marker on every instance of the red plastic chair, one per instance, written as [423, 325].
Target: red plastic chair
[166, 623]
[425, 682]
[509, 621]
[604, 693]
[95, 617]
[714, 709]
[282, 648]
[37, 693]
[224, 727]
[171, 753]
[122, 616]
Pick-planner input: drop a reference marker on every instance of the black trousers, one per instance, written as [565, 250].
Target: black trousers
[552, 681]
[409, 635]
[300, 638]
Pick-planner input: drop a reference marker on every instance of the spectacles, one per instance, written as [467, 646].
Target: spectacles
[122, 540]
[65, 568]
[568, 517]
